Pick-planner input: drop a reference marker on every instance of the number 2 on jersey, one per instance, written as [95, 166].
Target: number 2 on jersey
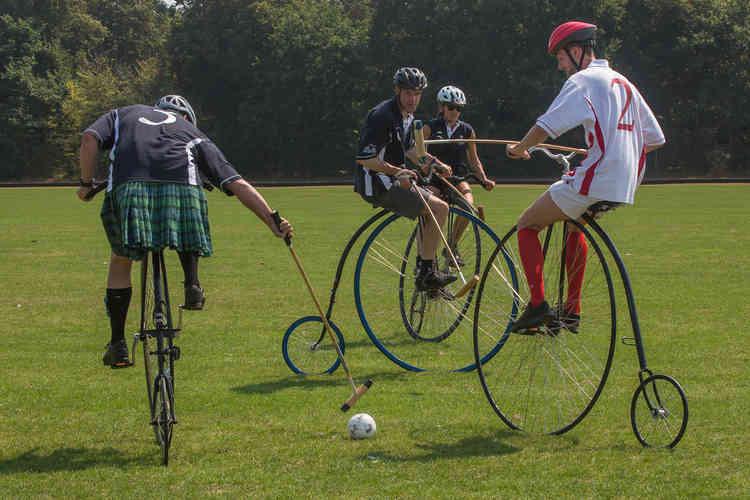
[629, 94]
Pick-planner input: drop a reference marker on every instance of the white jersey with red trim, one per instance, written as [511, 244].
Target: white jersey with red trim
[618, 125]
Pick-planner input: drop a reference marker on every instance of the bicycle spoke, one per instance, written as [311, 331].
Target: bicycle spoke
[557, 374]
[418, 330]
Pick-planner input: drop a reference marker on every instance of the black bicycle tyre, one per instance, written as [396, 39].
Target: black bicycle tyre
[407, 305]
[146, 326]
[164, 412]
[555, 351]
[660, 413]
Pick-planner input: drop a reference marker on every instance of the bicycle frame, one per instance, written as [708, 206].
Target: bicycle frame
[637, 337]
[352, 241]
[166, 352]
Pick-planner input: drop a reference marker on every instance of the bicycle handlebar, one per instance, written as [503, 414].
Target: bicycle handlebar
[95, 190]
[560, 158]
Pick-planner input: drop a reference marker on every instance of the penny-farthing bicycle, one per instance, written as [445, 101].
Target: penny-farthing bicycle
[547, 380]
[417, 330]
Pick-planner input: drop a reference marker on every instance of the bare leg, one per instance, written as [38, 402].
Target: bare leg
[541, 213]
[119, 272]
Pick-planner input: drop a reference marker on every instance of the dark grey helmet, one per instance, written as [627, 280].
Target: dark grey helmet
[179, 104]
[410, 78]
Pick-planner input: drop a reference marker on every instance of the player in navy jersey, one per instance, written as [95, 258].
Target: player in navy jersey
[381, 178]
[155, 200]
[460, 156]
[620, 129]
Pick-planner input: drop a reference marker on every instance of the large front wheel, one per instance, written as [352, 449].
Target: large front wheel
[547, 381]
[420, 330]
[163, 411]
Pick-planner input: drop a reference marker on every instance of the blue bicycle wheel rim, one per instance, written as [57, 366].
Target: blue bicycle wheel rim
[288, 334]
[358, 299]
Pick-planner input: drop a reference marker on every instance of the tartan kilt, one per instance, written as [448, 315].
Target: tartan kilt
[142, 216]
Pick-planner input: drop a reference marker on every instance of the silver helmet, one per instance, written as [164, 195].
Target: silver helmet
[179, 104]
[451, 95]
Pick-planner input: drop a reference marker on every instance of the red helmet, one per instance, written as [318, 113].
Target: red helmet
[570, 32]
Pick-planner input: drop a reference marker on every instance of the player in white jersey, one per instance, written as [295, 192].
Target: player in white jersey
[620, 129]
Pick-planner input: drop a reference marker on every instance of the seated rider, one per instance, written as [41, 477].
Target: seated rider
[459, 156]
[620, 130]
[386, 140]
[154, 198]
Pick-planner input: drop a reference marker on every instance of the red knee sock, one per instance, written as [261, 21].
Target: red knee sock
[576, 251]
[533, 262]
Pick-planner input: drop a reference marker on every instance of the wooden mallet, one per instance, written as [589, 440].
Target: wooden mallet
[357, 391]
[419, 143]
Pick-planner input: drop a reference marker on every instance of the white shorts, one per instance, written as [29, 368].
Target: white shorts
[572, 203]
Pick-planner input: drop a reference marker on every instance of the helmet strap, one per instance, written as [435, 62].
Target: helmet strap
[580, 59]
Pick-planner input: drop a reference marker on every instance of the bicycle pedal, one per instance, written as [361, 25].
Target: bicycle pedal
[530, 331]
[118, 366]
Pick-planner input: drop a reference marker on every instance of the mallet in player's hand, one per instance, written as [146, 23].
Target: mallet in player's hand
[422, 154]
[357, 391]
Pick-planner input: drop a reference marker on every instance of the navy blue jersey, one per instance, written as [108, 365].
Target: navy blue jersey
[454, 154]
[386, 134]
[149, 144]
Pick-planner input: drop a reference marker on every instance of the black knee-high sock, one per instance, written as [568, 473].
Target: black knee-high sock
[118, 302]
[189, 261]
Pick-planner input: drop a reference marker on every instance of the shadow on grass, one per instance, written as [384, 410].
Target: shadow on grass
[491, 445]
[313, 381]
[70, 459]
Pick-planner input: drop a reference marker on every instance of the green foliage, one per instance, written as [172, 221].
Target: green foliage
[64, 64]
[32, 82]
[691, 60]
[283, 85]
[279, 76]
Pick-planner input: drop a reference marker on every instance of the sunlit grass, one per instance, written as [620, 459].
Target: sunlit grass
[250, 428]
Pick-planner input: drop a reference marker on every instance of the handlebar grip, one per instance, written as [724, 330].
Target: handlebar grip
[93, 192]
[277, 221]
[419, 139]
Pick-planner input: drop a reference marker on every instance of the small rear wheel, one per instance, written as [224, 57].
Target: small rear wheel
[308, 349]
[659, 412]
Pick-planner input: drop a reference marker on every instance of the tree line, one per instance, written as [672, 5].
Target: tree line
[282, 86]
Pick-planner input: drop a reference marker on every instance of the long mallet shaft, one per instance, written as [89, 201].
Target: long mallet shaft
[357, 391]
[419, 143]
[506, 141]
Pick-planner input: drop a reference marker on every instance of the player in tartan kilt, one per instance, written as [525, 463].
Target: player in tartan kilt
[155, 200]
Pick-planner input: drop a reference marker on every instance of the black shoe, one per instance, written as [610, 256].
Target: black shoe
[568, 320]
[116, 355]
[532, 318]
[456, 254]
[433, 279]
[194, 298]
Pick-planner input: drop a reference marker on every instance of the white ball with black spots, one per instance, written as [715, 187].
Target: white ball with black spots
[361, 426]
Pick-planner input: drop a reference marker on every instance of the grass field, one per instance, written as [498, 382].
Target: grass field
[250, 428]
